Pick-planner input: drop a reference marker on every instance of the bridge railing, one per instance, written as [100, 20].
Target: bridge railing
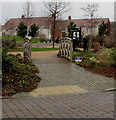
[66, 47]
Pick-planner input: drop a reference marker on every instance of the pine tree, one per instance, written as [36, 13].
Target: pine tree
[103, 29]
[71, 25]
[22, 30]
[33, 30]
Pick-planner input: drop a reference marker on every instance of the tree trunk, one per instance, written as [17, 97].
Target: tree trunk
[90, 44]
[27, 30]
[54, 28]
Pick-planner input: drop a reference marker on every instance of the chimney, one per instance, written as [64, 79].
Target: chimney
[23, 16]
[69, 17]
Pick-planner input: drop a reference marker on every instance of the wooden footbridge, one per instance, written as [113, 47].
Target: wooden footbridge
[66, 47]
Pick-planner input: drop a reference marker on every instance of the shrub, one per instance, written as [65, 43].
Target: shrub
[106, 41]
[109, 42]
[100, 40]
[17, 76]
[96, 46]
[7, 61]
[9, 43]
[112, 56]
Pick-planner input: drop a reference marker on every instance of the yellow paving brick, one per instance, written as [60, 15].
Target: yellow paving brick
[57, 90]
[39, 92]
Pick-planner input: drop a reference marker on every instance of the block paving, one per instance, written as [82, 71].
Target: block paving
[59, 72]
[88, 105]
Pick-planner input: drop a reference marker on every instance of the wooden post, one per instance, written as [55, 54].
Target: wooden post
[71, 50]
[27, 50]
[59, 48]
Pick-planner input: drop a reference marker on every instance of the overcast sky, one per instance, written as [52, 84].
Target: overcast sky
[15, 10]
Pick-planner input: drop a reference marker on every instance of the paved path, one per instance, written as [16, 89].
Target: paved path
[65, 91]
[58, 72]
[88, 105]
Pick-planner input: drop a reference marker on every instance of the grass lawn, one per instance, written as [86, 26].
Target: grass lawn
[33, 49]
[20, 39]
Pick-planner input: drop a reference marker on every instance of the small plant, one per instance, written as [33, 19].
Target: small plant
[92, 58]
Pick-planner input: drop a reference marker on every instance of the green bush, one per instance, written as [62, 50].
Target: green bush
[112, 55]
[7, 61]
[17, 76]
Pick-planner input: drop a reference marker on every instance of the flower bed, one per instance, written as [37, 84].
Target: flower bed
[103, 62]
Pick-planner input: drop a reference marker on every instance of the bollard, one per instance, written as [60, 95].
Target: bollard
[27, 50]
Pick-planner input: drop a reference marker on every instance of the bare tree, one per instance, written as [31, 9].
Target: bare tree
[90, 11]
[28, 13]
[55, 10]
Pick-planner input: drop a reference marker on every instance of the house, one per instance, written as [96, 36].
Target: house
[45, 27]
[88, 27]
[10, 28]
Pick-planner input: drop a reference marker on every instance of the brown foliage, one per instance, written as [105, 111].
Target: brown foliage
[96, 46]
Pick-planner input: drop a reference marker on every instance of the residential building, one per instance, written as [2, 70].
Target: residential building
[88, 27]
